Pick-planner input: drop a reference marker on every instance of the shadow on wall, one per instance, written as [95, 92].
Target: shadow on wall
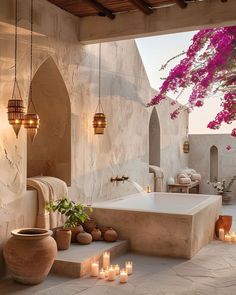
[50, 153]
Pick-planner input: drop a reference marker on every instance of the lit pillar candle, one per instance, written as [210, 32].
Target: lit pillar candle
[106, 260]
[95, 269]
[102, 274]
[221, 234]
[123, 276]
[111, 274]
[233, 237]
[106, 272]
[117, 268]
[129, 267]
[228, 238]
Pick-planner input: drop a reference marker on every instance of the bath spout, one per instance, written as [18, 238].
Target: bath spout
[137, 186]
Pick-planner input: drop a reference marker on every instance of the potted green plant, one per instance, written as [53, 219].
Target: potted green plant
[75, 213]
[224, 188]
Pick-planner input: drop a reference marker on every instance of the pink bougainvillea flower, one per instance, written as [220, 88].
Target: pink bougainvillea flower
[228, 147]
[233, 133]
[207, 67]
[174, 115]
[199, 103]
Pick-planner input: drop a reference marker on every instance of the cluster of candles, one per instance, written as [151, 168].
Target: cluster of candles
[229, 237]
[110, 272]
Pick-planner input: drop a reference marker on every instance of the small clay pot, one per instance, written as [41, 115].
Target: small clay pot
[63, 238]
[84, 238]
[89, 225]
[225, 222]
[110, 235]
[103, 229]
[96, 234]
[75, 231]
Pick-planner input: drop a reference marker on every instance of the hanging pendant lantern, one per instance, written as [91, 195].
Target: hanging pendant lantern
[15, 110]
[186, 147]
[31, 123]
[99, 123]
[99, 119]
[15, 107]
[31, 119]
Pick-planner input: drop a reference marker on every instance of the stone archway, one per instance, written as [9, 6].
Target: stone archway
[50, 153]
[213, 163]
[154, 139]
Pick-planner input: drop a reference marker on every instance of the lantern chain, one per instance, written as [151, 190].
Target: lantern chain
[31, 56]
[16, 19]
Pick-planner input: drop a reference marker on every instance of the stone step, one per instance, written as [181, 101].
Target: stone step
[76, 261]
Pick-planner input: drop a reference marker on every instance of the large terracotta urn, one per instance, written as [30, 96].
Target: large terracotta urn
[29, 254]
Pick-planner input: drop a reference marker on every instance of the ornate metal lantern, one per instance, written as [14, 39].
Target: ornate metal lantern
[99, 123]
[186, 147]
[99, 119]
[31, 119]
[31, 123]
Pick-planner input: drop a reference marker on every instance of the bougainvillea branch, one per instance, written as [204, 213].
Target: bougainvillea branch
[208, 67]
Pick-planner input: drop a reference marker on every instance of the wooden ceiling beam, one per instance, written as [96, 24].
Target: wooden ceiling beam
[102, 10]
[181, 3]
[142, 5]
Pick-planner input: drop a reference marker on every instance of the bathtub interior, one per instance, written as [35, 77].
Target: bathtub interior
[159, 202]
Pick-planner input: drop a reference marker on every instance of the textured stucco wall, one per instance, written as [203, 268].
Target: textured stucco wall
[199, 158]
[125, 90]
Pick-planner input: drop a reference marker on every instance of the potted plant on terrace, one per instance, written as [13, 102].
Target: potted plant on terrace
[74, 214]
[223, 188]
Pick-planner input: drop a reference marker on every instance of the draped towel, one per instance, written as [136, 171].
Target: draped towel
[48, 189]
[158, 177]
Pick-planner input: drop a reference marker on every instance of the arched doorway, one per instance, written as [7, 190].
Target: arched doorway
[154, 139]
[50, 153]
[213, 163]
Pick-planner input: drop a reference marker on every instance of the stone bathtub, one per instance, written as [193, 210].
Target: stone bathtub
[163, 224]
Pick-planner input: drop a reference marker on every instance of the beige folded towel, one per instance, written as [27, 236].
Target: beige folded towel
[48, 189]
[186, 180]
[196, 176]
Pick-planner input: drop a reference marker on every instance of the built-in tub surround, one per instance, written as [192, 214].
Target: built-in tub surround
[176, 225]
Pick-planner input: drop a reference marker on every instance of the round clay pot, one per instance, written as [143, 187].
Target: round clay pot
[63, 238]
[110, 235]
[75, 231]
[225, 222]
[89, 225]
[84, 238]
[29, 254]
[103, 229]
[96, 234]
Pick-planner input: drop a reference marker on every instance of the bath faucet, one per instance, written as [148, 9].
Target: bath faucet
[117, 178]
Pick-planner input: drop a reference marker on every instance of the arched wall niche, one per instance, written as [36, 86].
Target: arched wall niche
[213, 163]
[50, 153]
[154, 139]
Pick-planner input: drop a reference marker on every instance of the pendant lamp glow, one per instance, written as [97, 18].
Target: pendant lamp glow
[186, 147]
[15, 108]
[99, 119]
[31, 119]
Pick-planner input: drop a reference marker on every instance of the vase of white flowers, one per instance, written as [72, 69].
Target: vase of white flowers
[224, 188]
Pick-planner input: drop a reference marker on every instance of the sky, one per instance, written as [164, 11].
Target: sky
[155, 51]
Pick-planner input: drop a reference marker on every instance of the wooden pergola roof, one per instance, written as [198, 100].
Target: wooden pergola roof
[110, 8]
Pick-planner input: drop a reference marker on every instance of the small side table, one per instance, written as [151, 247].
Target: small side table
[183, 188]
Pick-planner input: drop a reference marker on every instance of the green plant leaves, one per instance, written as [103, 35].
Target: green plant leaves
[75, 213]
